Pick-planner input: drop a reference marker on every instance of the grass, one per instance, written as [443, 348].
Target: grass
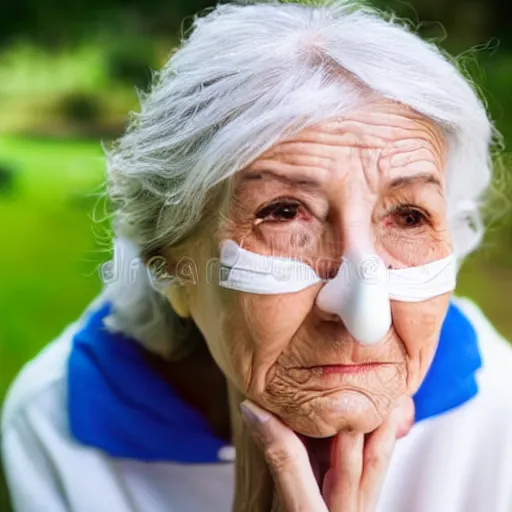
[50, 254]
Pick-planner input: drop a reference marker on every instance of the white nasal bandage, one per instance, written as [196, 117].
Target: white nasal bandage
[359, 294]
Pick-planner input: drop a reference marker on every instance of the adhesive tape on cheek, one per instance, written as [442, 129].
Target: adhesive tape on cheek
[359, 294]
[423, 282]
[250, 272]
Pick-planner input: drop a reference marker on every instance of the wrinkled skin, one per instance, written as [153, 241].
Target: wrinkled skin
[375, 176]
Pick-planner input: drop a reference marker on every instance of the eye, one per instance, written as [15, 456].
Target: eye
[282, 210]
[409, 217]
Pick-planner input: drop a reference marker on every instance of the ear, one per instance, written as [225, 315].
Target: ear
[178, 298]
[174, 291]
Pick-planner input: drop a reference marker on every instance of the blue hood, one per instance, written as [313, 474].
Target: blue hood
[119, 404]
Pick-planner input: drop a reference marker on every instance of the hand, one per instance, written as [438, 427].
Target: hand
[358, 462]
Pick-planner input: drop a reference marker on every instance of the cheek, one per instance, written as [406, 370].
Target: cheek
[207, 311]
[418, 326]
[270, 323]
[246, 333]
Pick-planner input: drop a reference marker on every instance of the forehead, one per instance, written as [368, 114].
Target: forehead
[383, 139]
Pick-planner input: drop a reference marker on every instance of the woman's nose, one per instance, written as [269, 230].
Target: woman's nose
[358, 295]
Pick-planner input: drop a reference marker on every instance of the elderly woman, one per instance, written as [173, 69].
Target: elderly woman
[291, 207]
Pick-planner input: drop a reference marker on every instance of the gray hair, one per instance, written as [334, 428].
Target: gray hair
[247, 76]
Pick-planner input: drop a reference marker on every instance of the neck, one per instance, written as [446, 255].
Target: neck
[254, 488]
[200, 383]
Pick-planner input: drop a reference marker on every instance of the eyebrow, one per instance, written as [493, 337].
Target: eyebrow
[308, 181]
[295, 179]
[423, 178]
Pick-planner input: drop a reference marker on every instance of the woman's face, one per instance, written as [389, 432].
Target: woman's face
[373, 176]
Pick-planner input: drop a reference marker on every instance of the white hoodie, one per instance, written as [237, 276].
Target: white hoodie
[459, 461]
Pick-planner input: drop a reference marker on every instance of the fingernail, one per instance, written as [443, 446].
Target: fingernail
[252, 414]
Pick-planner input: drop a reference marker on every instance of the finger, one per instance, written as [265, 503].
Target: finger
[378, 451]
[408, 416]
[287, 459]
[341, 484]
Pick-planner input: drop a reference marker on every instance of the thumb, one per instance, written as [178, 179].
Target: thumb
[270, 433]
[287, 459]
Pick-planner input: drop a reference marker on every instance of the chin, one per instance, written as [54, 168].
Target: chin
[326, 416]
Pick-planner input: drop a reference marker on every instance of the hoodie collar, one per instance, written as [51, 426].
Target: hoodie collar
[120, 405]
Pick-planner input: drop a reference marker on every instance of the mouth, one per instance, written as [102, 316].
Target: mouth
[334, 374]
[330, 369]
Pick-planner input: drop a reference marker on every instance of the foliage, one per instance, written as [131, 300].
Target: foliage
[89, 87]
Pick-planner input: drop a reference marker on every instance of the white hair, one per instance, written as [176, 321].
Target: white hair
[249, 75]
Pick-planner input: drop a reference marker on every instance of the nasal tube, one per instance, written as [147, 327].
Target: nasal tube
[359, 296]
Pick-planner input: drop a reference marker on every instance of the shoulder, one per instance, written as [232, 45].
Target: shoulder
[45, 463]
[40, 380]
[478, 434]
[37, 450]
[40, 386]
[479, 431]
[461, 460]
[495, 376]
[34, 428]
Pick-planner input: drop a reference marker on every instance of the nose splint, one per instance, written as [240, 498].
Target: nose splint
[360, 293]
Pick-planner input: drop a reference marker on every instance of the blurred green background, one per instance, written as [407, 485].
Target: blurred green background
[67, 83]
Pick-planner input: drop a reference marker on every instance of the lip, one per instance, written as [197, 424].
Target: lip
[331, 369]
